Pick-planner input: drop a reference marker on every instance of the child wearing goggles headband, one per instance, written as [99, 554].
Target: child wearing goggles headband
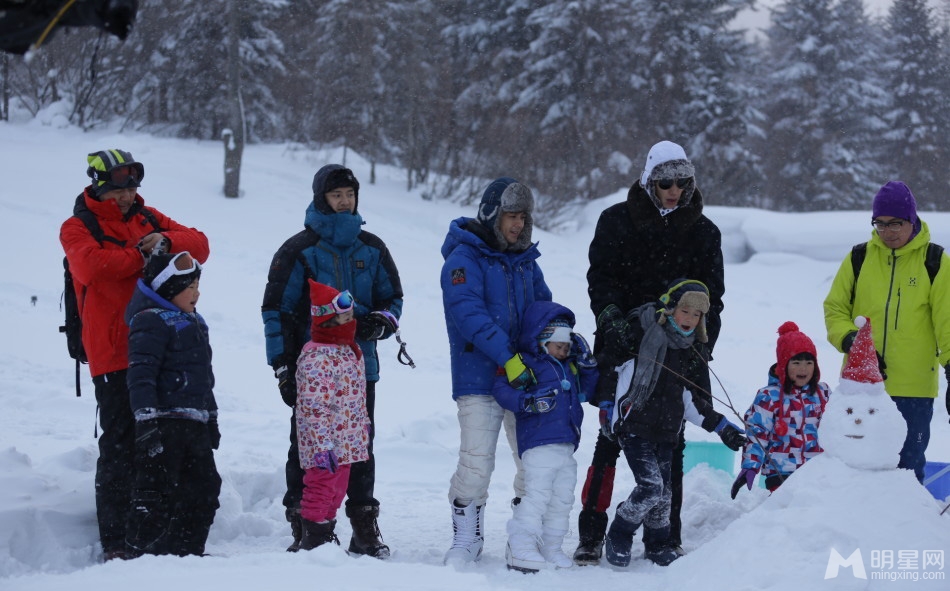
[332, 422]
[171, 398]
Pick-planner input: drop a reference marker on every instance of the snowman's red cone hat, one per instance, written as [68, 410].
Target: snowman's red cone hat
[862, 363]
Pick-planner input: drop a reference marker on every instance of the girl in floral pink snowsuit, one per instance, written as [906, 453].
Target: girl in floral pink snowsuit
[332, 422]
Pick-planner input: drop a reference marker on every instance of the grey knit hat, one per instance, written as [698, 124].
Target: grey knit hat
[507, 195]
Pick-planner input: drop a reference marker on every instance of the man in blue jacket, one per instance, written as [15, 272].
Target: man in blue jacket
[332, 249]
[489, 277]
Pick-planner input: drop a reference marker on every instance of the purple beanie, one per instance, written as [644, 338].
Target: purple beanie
[895, 200]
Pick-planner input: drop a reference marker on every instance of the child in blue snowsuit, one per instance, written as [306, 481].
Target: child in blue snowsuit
[548, 417]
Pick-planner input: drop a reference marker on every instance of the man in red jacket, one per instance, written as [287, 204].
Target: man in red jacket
[104, 275]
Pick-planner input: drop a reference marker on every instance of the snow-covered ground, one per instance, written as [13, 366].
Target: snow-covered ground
[779, 267]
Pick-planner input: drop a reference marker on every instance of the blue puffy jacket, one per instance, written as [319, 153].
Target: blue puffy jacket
[562, 424]
[333, 250]
[484, 294]
[169, 359]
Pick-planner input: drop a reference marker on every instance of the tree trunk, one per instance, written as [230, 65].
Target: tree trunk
[234, 137]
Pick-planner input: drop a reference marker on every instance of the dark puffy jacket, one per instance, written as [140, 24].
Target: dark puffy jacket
[484, 294]
[562, 424]
[169, 358]
[333, 250]
[636, 253]
[661, 418]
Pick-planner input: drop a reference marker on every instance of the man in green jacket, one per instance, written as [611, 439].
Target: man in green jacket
[909, 313]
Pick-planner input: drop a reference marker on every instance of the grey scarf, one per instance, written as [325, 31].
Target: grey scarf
[656, 339]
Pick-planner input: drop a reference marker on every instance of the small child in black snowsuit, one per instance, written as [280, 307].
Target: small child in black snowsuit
[649, 415]
[176, 483]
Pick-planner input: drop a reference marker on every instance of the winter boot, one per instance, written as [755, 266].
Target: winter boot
[467, 540]
[662, 555]
[552, 551]
[658, 548]
[296, 529]
[522, 553]
[366, 537]
[315, 534]
[619, 540]
[591, 527]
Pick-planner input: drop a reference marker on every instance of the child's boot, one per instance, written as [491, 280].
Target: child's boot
[467, 528]
[619, 540]
[551, 549]
[522, 553]
[657, 546]
[315, 534]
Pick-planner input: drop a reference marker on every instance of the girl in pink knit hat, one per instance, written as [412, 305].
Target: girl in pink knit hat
[332, 422]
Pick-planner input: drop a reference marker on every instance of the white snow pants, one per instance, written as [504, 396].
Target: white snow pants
[480, 420]
[550, 473]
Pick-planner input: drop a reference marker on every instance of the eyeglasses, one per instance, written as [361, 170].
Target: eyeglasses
[172, 270]
[891, 226]
[668, 183]
[341, 304]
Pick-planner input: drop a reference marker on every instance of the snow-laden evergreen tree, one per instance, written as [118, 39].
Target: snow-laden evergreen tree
[856, 101]
[917, 80]
[489, 38]
[574, 97]
[713, 115]
[820, 123]
[182, 59]
[417, 117]
[349, 96]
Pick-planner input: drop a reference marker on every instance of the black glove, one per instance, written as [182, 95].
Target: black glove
[214, 434]
[881, 365]
[847, 341]
[377, 325]
[616, 330]
[287, 382]
[148, 437]
[732, 437]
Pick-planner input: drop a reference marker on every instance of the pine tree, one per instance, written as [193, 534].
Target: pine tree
[915, 75]
[798, 108]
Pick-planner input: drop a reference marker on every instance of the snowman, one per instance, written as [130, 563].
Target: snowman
[850, 501]
[861, 425]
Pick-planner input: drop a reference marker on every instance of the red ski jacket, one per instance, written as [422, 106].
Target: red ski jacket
[104, 275]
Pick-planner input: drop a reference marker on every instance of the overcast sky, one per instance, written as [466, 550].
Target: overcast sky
[759, 19]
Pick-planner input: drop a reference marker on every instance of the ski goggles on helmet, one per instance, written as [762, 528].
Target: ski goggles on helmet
[342, 303]
[121, 176]
[682, 183]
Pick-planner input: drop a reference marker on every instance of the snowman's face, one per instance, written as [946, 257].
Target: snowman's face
[857, 428]
[862, 426]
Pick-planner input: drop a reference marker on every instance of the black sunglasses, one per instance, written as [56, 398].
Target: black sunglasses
[668, 183]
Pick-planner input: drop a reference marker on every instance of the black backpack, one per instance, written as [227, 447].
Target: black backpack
[931, 261]
[69, 301]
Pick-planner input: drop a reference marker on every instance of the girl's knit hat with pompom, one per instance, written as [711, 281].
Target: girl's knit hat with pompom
[791, 343]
